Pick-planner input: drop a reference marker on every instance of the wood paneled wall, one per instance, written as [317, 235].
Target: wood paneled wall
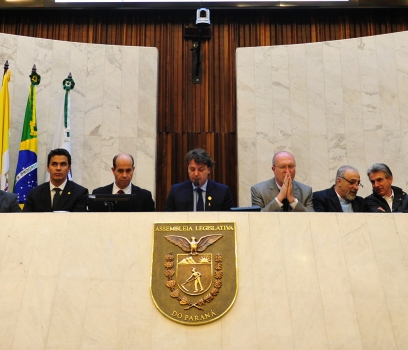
[202, 115]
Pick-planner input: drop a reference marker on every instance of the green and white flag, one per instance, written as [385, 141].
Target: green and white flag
[62, 133]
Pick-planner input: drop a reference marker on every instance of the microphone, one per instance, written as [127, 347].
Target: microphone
[196, 183]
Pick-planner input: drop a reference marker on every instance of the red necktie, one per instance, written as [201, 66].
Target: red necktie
[120, 192]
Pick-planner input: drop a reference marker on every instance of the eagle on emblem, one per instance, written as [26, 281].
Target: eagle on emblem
[193, 246]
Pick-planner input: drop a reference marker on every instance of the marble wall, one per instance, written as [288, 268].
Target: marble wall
[113, 104]
[329, 103]
[306, 281]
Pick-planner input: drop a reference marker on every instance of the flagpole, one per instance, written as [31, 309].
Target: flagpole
[6, 67]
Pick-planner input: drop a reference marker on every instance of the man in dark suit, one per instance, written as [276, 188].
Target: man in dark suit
[385, 197]
[199, 193]
[123, 168]
[8, 202]
[342, 196]
[59, 194]
[282, 193]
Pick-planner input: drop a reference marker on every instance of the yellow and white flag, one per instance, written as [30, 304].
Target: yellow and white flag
[4, 131]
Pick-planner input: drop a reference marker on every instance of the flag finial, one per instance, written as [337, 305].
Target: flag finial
[6, 66]
[69, 75]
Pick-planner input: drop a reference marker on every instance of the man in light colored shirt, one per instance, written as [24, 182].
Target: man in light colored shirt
[122, 170]
[342, 196]
[385, 197]
[282, 193]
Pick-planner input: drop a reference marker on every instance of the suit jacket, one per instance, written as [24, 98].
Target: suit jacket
[264, 193]
[73, 198]
[399, 204]
[218, 197]
[328, 201]
[8, 202]
[142, 201]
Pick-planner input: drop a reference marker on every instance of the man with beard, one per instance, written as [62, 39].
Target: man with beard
[385, 198]
[342, 196]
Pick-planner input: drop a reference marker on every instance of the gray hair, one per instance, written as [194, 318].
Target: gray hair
[200, 156]
[343, 169]
[376, 167]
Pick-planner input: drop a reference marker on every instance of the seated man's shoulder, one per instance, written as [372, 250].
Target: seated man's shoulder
[322, 192]
[180, 187]
[370, 197]
[263, 184]
[35, 190]
[103, 190]
[9, 195]
[78, 186]
[399, 191]
[218, 184]
[181, 184]
[303, 186]
[142, 190]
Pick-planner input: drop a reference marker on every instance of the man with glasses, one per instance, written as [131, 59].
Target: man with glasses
[342, 196]
[385, 198]
[282, 193]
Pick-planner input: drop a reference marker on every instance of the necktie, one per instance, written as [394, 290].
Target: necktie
[200, 203]
[57, 196]
[120, 192]
[285, 203]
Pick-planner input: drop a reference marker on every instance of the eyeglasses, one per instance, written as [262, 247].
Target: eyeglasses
[282, 167]
[353, 182]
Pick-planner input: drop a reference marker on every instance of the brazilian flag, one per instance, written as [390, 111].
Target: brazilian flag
[26, 172]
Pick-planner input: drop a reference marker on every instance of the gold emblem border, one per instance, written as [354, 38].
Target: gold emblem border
[236, 276]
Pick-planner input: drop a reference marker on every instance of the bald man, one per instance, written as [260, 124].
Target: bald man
[282, 192]
[123, 169]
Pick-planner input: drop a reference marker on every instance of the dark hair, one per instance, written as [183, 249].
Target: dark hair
[120, 154]
[200, 156]
[59, 152]
[376, 167]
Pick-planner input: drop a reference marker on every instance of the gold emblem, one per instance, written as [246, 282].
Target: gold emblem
[194, 275]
